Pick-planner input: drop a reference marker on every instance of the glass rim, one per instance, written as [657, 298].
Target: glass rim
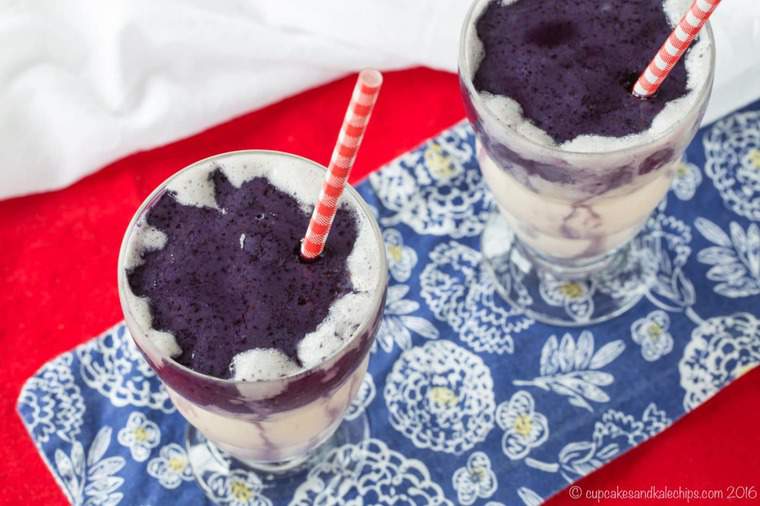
[349, 190]
[466, 81]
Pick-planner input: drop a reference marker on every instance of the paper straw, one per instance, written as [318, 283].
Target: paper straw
[674, 47]
[343, 156]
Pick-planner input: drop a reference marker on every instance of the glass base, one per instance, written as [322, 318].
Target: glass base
[223, 477]
[559, 293]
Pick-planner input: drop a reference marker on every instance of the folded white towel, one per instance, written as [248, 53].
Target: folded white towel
[83, 82]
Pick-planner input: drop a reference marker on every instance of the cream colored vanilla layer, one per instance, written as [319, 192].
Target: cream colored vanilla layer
[279, 436]
[566, 229]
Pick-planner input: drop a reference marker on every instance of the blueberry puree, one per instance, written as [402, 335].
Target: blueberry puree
[230, 279]
[571, 65]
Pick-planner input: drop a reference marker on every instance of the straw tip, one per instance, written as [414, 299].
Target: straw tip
[371, 77]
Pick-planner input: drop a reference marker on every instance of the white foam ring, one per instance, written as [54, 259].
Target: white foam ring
[302, 180]
[510, 113]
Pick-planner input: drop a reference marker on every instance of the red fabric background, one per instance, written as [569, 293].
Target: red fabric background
[58, 270]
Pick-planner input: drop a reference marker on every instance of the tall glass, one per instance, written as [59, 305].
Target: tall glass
[274, 425]
[562, 247]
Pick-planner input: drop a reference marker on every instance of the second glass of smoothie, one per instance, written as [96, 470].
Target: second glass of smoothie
[575, 162]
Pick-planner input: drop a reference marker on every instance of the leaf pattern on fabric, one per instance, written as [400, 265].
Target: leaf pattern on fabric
[92, 481]
[668, 244]
[571, 368]
[399, 323]
[734, 260]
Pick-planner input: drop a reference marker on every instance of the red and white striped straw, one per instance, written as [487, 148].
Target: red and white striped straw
[350, 138]
[674, 47]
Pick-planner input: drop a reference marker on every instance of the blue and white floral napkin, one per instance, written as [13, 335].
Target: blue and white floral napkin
[469, 401]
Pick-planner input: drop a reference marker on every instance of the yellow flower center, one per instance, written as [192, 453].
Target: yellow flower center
[141, 435]
[681, 169]
[754, 158]
[438, 162]
[443, 395]
[478, 474]
[177, 464]
[394, 251]
[523, 425]
[571, 290]
[654, 331]
[241, 491]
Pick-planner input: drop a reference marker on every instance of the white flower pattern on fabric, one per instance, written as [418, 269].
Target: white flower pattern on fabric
[401, 259]
[398, 321]
[734, 261]
[572, 369]
[721, 349]
[440, 396]
[459, 292]
[651, 332]
[523, 427]
[363, 399]
[171, 467]
[430, 191]
[237, 488]
[369, 473]
[575, 296]
[732, 152]
[51, 402]
[475, 480]
[91, 481]
[615, 433]
[667, 242]
[687, 178]
[140, 435]
[112, 365]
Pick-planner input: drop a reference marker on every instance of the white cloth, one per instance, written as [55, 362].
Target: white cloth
[84, 82]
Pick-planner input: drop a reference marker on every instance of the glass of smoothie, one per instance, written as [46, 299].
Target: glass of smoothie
[260, 351]
[575, 161]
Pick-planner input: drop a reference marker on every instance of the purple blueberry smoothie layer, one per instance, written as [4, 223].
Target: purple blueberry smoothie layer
[571, 65]
[229, 279]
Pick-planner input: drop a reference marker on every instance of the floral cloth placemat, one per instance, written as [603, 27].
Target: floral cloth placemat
[469, 401]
